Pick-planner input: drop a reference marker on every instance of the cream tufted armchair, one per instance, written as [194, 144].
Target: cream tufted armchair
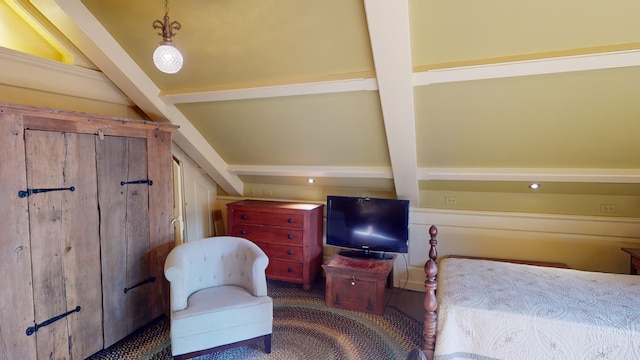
[218, 296]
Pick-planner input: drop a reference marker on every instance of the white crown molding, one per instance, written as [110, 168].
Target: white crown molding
[324, 87]
[629, 176]
[532, 174]
[608, 60]
[380, 172]
[32, 72]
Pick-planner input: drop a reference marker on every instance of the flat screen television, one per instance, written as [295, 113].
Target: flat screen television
[368, 227]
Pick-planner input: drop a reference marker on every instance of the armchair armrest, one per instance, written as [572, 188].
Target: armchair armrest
[178, 292]
[257, 283]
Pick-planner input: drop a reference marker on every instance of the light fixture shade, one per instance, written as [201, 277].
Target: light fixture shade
[167, 59]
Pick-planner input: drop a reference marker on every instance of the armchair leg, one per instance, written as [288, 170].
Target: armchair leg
[267, 344]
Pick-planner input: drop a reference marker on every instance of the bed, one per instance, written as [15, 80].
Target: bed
[485, 309]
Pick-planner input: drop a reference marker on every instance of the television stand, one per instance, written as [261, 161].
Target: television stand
[358, 284]
[365, 254]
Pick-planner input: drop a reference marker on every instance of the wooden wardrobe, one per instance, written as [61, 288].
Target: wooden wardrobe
[86, 208]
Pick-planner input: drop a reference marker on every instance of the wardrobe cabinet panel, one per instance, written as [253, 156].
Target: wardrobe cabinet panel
[160, 214]
[16, 305]
[65, 243]
[123, 194]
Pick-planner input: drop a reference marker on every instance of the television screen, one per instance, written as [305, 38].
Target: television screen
[368, 224]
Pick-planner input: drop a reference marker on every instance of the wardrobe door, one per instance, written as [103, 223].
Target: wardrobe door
[16, 305]
[124, 206]
[65, 245]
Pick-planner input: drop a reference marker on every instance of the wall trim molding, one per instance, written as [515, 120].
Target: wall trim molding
[606, 60]
[596, 61]
[377, 172]
[313, 88]
[532, 174]
[482, 227]
[36, 73]
[529, 222]
[629, 176]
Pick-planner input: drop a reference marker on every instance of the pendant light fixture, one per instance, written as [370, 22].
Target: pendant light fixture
[166, 57]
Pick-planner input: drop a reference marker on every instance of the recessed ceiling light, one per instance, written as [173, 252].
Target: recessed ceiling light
[311, 180]
[534, 186]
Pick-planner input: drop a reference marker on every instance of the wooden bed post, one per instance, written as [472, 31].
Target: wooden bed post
[430, 301]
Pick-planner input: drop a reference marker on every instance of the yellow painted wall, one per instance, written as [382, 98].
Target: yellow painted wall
[590, 199]
[457, 31]
[16, 34]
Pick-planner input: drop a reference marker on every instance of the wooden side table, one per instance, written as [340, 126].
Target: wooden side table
[634, 267]
[357, 284]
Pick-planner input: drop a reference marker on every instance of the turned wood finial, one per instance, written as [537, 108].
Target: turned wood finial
[433, 242]
[430, 300]
[433, 231]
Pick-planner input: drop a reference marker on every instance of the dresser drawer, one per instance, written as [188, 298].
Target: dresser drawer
[285, 252]
[268, 234]
[295, 221]
[284, 269]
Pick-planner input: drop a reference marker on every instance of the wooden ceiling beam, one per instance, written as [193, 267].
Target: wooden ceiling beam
[388, 23]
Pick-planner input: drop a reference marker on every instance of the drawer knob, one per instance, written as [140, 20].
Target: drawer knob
[290, 252]
[243, 216]
[290, 221]
[290, 236]
[243, 232]
[290, 269]
[353, 280]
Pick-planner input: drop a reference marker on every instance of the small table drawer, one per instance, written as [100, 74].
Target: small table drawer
[285, 252]
[295, 221]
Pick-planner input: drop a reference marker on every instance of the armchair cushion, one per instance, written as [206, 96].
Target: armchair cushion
[232, 304]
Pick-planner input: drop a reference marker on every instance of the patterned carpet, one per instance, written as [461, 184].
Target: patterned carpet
[303, 328]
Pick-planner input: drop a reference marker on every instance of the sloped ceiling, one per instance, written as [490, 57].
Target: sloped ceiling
[393, 96]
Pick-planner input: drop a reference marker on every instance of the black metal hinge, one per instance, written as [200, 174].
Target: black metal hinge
[137, 182]
[32, 329]
[149, 280]
[25, 193]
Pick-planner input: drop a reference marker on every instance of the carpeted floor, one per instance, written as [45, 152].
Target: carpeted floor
[303, 328]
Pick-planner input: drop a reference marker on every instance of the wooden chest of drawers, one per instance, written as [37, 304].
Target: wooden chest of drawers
[289, 233]
[635, 260]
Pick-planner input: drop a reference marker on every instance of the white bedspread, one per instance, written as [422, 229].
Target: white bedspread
[496, 310]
